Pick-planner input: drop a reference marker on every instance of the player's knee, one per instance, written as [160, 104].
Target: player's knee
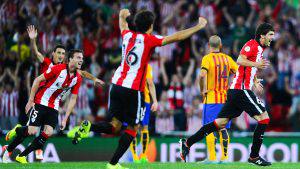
[144, 128]
[221, 123]
[263, 118]
[116, 127]
[32, 130]
[48, 132]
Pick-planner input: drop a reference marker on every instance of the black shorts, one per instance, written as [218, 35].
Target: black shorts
[40, 115]
[239, 101]
[127, 105]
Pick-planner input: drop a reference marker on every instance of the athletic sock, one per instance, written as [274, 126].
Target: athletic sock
[36, 144]
[211, 147]
[22, 133]
[145, 142]
[258, 137]
[124, 143]
[102, 127]
[224, 141]
[200, 134]
[133, 149]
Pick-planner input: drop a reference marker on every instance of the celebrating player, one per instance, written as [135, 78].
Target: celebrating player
[240, 97]
[43, 104]
[149, 88]
[128, 81]
[215, 70]
[58, 57]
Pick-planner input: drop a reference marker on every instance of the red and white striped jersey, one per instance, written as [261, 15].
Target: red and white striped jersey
[58, 82]
[45, 65]
[9, 104]
[244, 77]
[137, 49]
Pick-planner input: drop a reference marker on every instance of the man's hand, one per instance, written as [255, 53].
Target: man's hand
[258, 87]
[28, 106]
[263, 64]
[202, 22]
[98, 83]
[124, 13]
[32, 32]
[154, 106]
[63, 123]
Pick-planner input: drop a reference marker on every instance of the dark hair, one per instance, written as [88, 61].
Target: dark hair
[72, 51]
[130, 21]
[59, 46]
[263, 29]
[143, 20]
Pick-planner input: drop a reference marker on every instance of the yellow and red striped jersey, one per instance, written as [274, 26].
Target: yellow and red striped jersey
[218, 66]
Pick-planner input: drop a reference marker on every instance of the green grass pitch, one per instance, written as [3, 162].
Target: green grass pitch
[101, 165]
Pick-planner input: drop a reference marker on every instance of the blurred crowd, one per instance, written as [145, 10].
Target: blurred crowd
[92, 25]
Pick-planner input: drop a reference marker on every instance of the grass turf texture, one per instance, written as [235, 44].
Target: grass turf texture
[101, 165]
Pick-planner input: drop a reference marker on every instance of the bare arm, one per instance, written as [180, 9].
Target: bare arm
[152, 91]
[32, 33]
[203, 82]
[85, 74]
[34, 89]
[124, 13]
[181, 35]
[189, 72]
[71, 105]
[243, 61]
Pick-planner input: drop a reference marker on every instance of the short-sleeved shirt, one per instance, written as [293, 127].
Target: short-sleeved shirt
[148, 76]
[218, 66]
[244, 77]
[137, 49]
[58, 82]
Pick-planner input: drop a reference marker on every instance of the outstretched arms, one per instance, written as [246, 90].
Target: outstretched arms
[181, 35]
[124, 13]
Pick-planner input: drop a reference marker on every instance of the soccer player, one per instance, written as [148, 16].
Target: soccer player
[149, 88]
[58, 57]
[215, 70]
[44, 102]
[240, 96]
[128, 81]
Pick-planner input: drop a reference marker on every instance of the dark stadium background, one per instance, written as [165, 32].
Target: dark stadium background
[92, 25]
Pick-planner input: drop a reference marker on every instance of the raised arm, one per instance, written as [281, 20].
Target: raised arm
[181, 35]
[124, 13]
[32, 33]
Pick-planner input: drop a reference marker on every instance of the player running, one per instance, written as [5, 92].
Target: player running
[58, 57]
[128, 81]
[44, 102]
[240, 97]
[215, 70]
[149, 90]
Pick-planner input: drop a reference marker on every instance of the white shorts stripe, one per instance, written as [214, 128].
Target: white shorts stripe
[251, 100]
[138, 113]
[108, 104]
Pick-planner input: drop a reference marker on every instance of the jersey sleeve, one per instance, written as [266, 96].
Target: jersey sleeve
[46, 61]
[124, 32]
[155, 40]
[233, 65]
[205, 63]
[50, 73]
[248, 50]
[149, 72]
[75, 88]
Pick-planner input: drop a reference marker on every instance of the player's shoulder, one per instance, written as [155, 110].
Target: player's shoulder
[59, 66]
[251, 44]
[47, 61]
